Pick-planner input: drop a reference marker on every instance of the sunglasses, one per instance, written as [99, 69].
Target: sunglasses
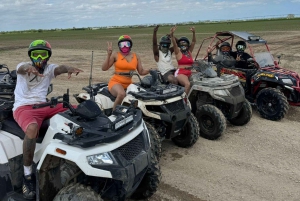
[124, 44]
[241, 47]
[43, 54]
[225, 49]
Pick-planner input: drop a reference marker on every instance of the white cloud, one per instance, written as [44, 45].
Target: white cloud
[25, 14]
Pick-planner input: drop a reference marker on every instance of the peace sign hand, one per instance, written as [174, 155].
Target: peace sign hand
[109, 47]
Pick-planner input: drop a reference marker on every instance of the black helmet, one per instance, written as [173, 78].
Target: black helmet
[165, 39]
[240, 46]
[225, 44]
[183, 38]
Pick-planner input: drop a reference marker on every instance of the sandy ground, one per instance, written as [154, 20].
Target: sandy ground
[256, 162]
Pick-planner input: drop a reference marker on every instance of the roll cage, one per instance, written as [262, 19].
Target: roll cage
[250, 39]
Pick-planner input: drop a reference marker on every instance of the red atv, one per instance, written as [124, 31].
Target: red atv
[266, 84]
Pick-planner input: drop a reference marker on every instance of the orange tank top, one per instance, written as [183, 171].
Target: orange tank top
[122, 65]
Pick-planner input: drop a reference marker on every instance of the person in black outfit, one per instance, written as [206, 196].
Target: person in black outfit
[240, 55]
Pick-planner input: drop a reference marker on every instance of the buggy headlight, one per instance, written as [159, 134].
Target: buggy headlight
[220, 92]
[98, 159]
[287, 81]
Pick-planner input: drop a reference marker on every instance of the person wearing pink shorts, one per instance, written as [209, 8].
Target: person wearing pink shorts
[33, 80]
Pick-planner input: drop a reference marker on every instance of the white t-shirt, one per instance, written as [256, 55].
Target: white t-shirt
[30, 89]
[164, 63]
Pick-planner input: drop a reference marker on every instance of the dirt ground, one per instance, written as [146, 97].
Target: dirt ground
[256, 162]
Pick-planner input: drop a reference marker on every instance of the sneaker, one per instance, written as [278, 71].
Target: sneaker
[29, 187]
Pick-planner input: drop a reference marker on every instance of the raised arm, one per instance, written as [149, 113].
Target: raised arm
[110, 58]
[154, 43]
[193, 40]
[140, 68]
[174, 41]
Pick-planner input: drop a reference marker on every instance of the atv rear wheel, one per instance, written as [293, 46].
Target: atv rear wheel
[244, 116]
[155, 141]
[150, 181]
[75, 192]
[189, 134]
[272, 104]
[212, 121]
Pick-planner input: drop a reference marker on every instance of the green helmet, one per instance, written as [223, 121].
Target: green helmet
[39, 45]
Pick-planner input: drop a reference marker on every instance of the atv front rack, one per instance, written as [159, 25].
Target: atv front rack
[159, 92]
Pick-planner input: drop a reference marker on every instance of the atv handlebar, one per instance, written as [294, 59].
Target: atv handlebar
[55, 100]
[52, 103]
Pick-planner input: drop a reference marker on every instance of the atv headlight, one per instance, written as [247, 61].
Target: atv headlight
[124, 121]
[220, 92]
[287, 81]
[98, 159]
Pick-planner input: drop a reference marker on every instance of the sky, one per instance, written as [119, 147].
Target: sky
[17, 15]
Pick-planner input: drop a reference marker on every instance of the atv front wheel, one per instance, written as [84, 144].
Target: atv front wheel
[150, 181]
[75, 192]
[244, 116]
[211, 121]
[155, 141]
[189, 134]
[272, 104]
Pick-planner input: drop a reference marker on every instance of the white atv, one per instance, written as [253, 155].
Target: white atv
[165, 108]
[81, 154]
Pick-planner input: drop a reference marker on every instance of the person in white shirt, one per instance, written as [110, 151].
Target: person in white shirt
[163, 57]
[33, 80]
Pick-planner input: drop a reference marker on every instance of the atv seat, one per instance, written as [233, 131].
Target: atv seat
[106, 93]
[11, 126]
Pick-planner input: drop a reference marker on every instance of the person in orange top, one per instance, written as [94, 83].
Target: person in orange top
[124, 61]
[183, 52]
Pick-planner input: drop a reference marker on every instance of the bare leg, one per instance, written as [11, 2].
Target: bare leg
[183, 80]
[118, 91]
[172, 79]
[29, 144]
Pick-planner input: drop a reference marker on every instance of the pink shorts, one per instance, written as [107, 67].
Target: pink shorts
[182, 71]
[25, 115]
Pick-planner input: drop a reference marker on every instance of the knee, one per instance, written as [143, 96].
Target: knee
[32, 130]
[172, 80]
[121, 95]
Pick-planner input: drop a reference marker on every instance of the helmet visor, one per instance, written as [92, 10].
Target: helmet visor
[183, 43]
[225, 49]
[43, 54]
[165, 45]
[124, 44]
[240, 47]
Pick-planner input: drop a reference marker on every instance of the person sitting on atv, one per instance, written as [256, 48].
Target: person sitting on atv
[163, 57]
[224, 56]
[33, 80]
[183, 52]
[124, 61]
[240, 55]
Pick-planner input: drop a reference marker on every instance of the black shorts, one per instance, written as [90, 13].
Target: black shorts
[166, 75]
